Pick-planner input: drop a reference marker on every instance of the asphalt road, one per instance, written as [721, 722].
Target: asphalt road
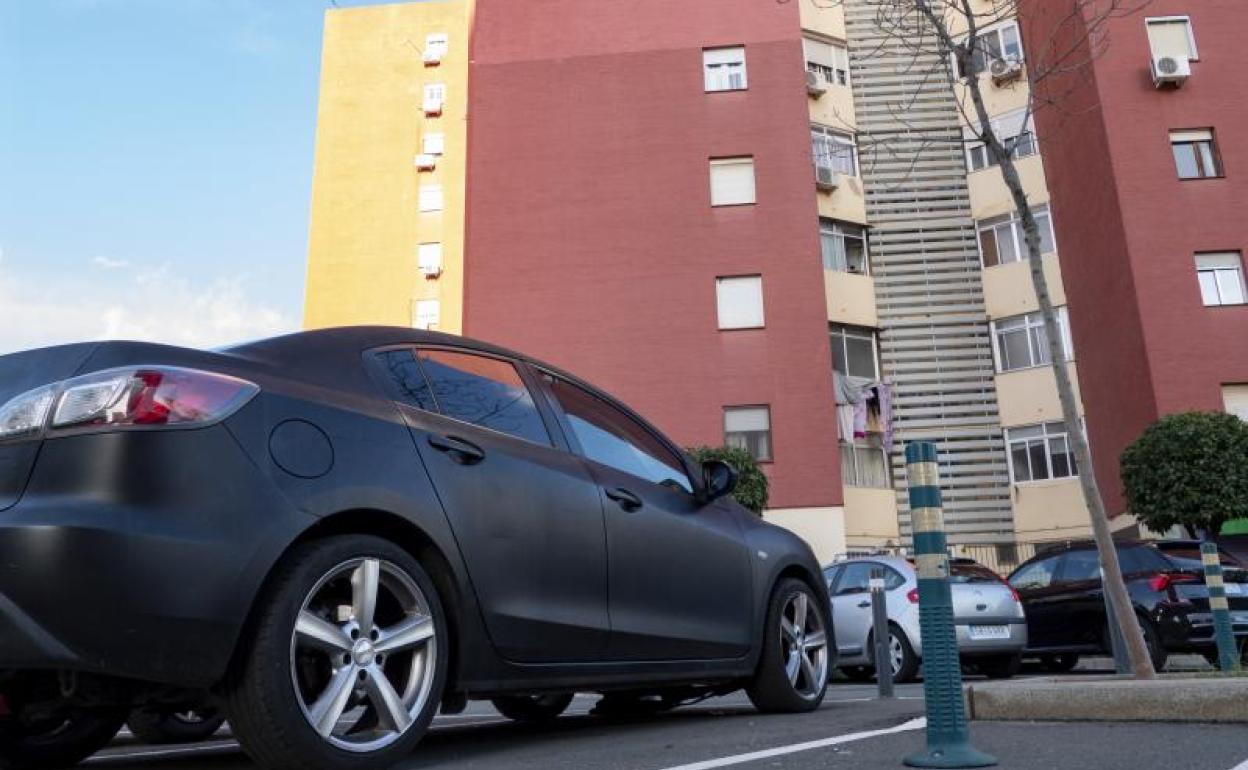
[852, 730]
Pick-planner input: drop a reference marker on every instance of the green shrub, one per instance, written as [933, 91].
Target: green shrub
[752, 487]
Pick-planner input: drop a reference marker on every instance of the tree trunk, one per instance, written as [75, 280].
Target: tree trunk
[1124, 612]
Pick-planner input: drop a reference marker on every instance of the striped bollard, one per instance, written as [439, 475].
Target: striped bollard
[1228, 653]
[948, 736]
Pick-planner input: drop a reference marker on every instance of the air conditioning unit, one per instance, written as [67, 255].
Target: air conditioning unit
[815, 85]
[426, 162]
[1005, 70]
[1171, 70]
[432, 58]
[826, 178]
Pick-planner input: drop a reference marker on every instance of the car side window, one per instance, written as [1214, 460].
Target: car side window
[1141, 558]
[829, 576]
[409, 381]
[610, 437]
[893, 579]
[483, 391]
[856, 580]
[1081, 566]
[1038, 574]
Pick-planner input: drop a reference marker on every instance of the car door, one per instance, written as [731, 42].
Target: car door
[1035, 583]
[678, 572]
[1080, 600]
[851, 608]
[525, 511]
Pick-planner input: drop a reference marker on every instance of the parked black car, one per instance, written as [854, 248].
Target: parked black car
[1062, 596]
[327, 536]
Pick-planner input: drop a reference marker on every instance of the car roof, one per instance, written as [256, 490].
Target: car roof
[898, 563]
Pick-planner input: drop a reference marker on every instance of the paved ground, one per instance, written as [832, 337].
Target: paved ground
[728, 732]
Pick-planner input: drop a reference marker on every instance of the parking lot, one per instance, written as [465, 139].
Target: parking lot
[852, 730]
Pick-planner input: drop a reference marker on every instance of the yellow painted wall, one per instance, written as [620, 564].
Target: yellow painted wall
[1029, 396]
[365, 228]
[990, 197]
[850, 298]
[1045, 510]
[822, 528]
[871, 517]
[1008, 290]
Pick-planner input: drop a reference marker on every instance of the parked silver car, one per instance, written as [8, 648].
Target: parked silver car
[988, 617]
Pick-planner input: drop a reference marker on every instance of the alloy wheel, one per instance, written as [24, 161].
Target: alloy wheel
[804, 646]
[363, 654]
[896, 653]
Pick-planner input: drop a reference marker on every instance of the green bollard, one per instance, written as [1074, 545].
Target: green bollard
[1228, 653]
[948, 737]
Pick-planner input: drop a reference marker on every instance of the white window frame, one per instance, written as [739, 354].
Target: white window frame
[731, 316]
[852, 474]
[976, 149]
[1221, 266]
[755, 409]
[1235, 400]
[429, 257]
[434, 100]
[835, 71]
[433, 144]
[1191, 33]
[720, 66]
[828, 136]
[426, 314]
[438, 43]
[430, 198]
[997, 29]
[1197, 137]
[837, 334]
[1048, 432]
[1035, 354]
[720, 197]
[837, 230]
[1014, 223]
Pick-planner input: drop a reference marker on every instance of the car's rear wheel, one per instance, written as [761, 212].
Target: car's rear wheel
[901, 656]
[56, 740]
[1059, 664]
[172, 725]
[793, 670]
[533, 708]
[346, 662]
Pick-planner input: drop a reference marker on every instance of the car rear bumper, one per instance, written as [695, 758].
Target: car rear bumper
[972, 641]
[137, 555]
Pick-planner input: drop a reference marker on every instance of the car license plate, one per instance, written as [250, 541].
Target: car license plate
[990, 632]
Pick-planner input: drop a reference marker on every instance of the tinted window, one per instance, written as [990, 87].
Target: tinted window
[1188, 558]
[856, 580]
[610, 437]
[409, 382]
[829, 576]
[892, 579]
[971, 573]
[1145, 559]
[1081, 565]
[1038, 574]
[483, 391]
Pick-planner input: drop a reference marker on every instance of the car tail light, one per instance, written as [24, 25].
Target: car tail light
[913, 596]
[1014, 592]
[1163, 580]
[145, 396]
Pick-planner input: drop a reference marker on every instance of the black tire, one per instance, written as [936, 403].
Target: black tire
[909, 668]
[170, 725]
[1152, 640]
[262, 706]
[533, 708]
[62, 742]
[771, 690]
[859, 673]
[999, 666]
[1059, 664]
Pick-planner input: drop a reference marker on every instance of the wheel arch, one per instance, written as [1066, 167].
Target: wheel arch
[403, 533]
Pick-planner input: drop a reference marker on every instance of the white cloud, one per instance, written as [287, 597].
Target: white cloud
[108, 263]
[157, 306]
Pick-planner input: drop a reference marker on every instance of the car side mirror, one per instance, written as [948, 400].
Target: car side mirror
[718, 479]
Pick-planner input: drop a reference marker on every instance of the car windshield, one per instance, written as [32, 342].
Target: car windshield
[1187, 557]
[971, 573]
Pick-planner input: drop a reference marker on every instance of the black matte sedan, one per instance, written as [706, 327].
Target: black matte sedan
[1065, 605]
[328, 536]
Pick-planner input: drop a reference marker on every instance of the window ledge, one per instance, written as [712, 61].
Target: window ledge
[1029, 368]
[1044, 482]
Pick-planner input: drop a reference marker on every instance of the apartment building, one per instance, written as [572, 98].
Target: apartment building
[754, 223]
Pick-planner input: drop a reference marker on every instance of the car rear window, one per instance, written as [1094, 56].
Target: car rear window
[1187, 557]
[972, 573]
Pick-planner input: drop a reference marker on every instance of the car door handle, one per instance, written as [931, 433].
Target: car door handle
[627, 500]
[461, 451]
[864, 604]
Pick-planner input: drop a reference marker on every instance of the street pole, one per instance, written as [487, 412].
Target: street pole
[948, 736]
[1117, 645]
[879, 616]
[1228, 654]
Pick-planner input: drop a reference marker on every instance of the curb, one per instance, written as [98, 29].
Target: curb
[1111, 699]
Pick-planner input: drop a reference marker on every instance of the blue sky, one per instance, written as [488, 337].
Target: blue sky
[155, 167]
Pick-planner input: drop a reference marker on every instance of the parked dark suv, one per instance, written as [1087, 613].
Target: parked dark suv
[328, 537]
[1062, 596]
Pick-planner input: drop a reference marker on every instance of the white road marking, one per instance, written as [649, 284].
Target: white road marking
[1241, 766]
[753, 756]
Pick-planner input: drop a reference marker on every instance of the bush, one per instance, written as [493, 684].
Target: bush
[1189, 469]
[752, 486]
